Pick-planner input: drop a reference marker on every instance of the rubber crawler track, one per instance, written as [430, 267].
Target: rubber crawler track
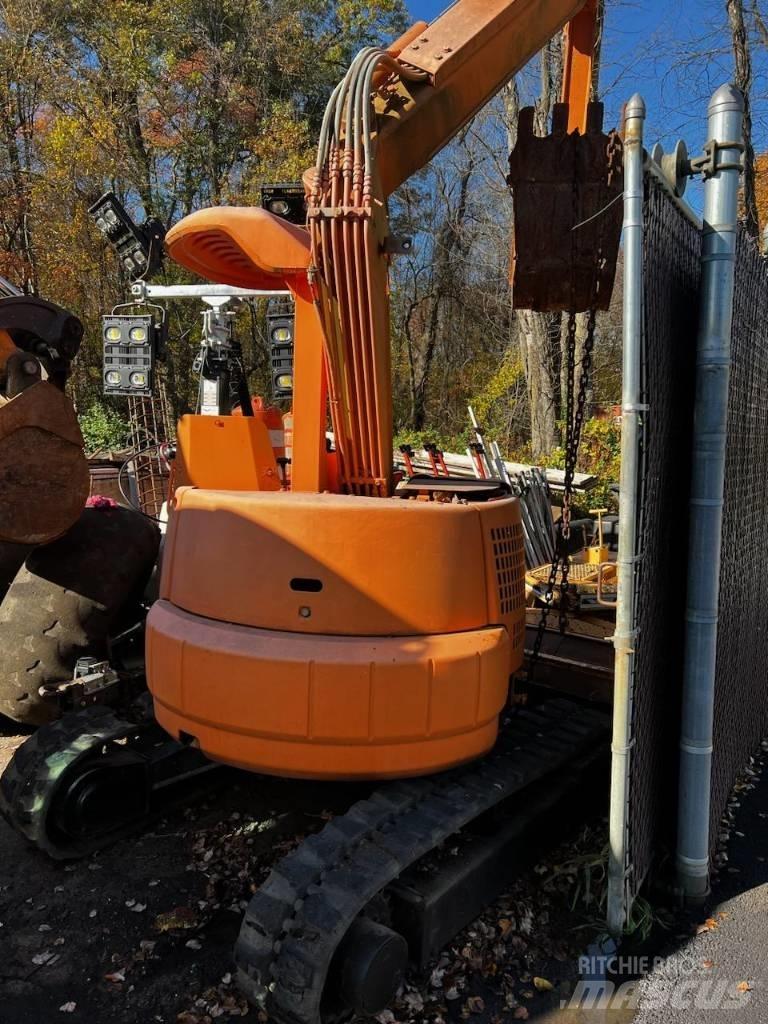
[29, 784]
[295, 922]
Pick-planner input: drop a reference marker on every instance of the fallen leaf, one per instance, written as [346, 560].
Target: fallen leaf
[414, 1002]
[505, 927]
[475, 1004]
[436, 977]
[115, 977]
[181, 918]
[743, 986]
[708, 926]
[68, 1007]
[709, 964]
[40, 959]
[193, 944]
[542, 984]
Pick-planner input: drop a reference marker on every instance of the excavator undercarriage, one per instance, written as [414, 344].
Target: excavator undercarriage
[334, 926]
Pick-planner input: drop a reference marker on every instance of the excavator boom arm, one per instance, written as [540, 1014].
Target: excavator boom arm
[467, 55]
[393, 111]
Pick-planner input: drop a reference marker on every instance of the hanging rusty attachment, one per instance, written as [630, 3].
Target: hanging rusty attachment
[566, 191]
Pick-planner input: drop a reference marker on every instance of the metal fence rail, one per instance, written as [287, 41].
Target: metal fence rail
[672, 250]
[697, 693]
[741, 680]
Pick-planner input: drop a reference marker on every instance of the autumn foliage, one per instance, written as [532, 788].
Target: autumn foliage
[174, 104]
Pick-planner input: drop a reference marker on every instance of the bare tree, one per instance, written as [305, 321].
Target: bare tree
[535, 330]
[449, 242]
[742, 59]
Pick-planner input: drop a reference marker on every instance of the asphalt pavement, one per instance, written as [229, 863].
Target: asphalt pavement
[720, 972]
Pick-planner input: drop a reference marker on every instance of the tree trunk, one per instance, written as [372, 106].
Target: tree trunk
[536, 351]
[742, 59]
[535, 329]
[449, 240]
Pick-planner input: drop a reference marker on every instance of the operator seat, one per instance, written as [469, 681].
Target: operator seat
[243, 246]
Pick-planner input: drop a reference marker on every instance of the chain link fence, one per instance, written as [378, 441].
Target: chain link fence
[672, 250]
[741, 682]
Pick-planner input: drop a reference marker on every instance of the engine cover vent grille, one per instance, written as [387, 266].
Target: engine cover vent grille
[509, 557]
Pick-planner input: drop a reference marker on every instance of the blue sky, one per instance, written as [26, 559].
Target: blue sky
[674, 53]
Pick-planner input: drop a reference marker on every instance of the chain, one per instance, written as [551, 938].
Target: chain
[574, 421]
[573, 437]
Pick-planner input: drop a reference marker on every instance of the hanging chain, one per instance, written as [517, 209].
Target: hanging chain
[573, 438]
[561, 563]
[574, 421]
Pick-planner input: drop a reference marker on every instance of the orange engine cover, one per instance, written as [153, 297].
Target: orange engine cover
[321, 635]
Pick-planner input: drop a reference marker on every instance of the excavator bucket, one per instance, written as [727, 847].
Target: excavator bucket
[566, 189]
[44, 481]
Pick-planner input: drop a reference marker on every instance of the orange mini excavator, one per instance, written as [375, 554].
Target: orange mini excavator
[347, 628]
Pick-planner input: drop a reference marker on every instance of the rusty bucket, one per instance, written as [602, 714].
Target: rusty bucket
[44, 479]
[566, 190]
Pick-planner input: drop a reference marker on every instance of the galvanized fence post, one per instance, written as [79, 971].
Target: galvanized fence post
[623, 640]
[706, 504]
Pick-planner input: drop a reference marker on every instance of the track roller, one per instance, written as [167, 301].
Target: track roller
[372, 960]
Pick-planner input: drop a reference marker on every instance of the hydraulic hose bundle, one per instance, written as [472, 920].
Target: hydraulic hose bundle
[348, 230]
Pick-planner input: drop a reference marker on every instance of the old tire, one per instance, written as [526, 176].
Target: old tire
[11, 560]
[64, 600]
